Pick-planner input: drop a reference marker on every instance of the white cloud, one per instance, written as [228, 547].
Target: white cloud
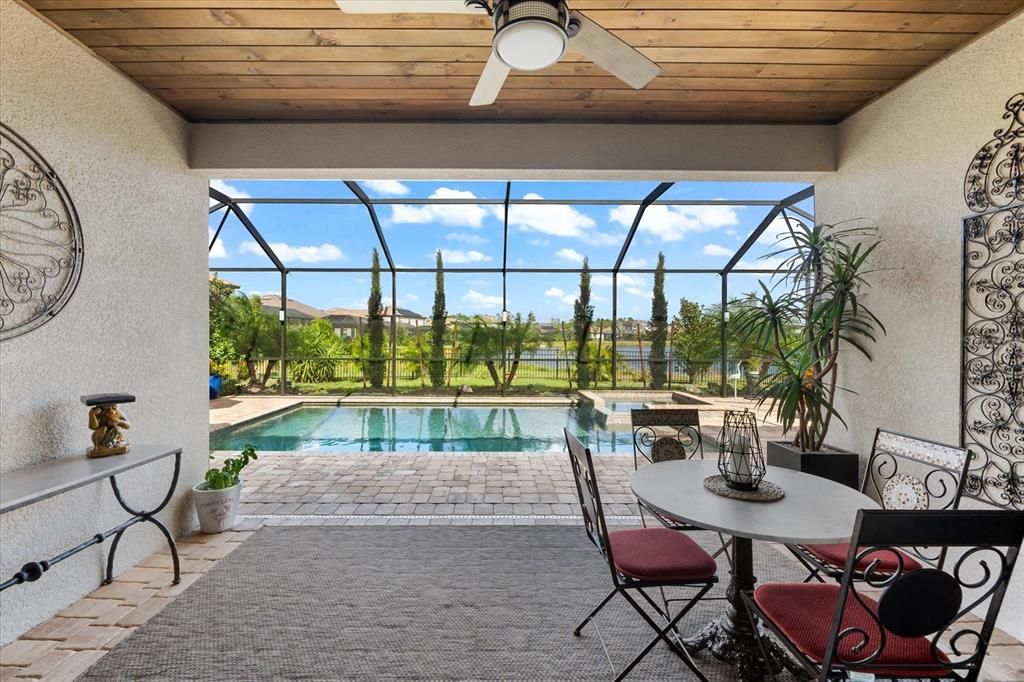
[625, 280]
[455, 215]
[465, 238]
[759, 264]
[716, 250]
[777, 233]
[390, 188]
[302, 254]
[556, 220]
[475, 300]
[671, 223]
[232, 192]
[570, 255]
[637, 291]
[555, 292]
[408, 297]
[632, 262]
[456, 257]
[538, 242]
[218, 250]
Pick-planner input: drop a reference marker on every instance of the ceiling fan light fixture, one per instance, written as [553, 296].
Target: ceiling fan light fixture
[530, 35]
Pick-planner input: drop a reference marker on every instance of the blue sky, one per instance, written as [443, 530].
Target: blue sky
[470, 236]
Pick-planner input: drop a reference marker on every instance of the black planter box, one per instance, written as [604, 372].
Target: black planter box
[841, 467]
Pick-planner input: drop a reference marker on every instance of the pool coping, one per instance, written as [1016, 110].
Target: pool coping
[292, 402]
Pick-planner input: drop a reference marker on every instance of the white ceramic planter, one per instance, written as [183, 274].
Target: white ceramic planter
[217, 509]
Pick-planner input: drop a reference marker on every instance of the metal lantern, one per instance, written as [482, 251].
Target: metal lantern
[740, 459]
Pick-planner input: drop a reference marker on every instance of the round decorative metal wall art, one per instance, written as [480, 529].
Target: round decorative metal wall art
[40, 239]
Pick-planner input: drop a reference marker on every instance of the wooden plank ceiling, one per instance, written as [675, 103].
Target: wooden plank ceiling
[722, 60]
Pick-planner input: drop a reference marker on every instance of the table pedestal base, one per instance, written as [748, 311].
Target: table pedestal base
[732, 638]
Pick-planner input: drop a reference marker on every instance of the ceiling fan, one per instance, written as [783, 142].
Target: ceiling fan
[529, 35]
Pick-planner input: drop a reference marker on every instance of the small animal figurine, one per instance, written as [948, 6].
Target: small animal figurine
[108, 424]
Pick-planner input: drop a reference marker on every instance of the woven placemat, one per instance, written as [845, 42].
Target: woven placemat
[766, 492]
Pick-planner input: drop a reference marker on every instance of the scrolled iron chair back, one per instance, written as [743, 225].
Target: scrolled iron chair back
[915, 474]
[662, 434]
[925, 602]
[587, 491]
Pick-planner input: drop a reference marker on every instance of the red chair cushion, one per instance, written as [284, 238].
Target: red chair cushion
[835, 555]
[659, 554]
[803, 613]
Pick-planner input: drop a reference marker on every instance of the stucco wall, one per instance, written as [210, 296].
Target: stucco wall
[902, 162]
[137, 322]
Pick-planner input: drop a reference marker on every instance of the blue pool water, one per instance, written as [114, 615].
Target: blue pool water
[426, 429]
[618, 406]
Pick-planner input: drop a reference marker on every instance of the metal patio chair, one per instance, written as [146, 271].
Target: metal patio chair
[639, 559]
[903, 473]
[665, 434]
[914, 628]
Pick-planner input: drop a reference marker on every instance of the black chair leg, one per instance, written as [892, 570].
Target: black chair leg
[814, 571]
[593, 613]
[663, 635]
[759, 637]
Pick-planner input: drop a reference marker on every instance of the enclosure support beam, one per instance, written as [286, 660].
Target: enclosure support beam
[361, 195]
[504, 252]
[394, 332]
[283, 372]
[648, 200]
[615, 329]
[788, 202]
[250, 228]
[220, 226]
[723, 322]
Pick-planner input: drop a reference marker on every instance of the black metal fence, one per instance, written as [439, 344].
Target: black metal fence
[543, 369]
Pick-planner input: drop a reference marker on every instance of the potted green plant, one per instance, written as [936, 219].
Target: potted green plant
[216, 498]
[803, 324]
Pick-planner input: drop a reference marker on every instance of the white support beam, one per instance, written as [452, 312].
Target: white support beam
[513, 151]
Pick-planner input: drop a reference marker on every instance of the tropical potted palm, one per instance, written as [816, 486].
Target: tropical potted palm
[216, 498]
[803, 324]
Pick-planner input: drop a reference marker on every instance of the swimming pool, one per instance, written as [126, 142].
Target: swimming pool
[421, 429]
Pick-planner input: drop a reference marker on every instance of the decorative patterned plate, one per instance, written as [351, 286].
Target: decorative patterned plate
[666, 449]
[766, 492]
[40, 239]
[904, 491]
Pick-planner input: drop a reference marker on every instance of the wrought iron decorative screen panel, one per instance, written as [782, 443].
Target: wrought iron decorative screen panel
[992, 389]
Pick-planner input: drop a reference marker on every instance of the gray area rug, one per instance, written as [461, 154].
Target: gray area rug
[400, 603]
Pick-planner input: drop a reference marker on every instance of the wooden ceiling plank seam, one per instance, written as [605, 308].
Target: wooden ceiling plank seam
[923, 6]
[611, 19]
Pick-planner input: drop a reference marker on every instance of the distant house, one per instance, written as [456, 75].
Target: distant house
[214, 275]
[298, 312]
[348, 321]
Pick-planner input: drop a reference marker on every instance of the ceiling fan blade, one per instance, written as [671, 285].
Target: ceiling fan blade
[491, 80]
[614, 56]
[407, 7]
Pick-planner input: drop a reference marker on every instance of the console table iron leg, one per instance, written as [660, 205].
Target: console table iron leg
[149, 516]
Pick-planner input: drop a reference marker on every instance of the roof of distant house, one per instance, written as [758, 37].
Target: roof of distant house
[214, 275]
[295, 308]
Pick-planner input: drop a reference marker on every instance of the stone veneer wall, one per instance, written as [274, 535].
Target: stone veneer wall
[137, 322]
[902, 162]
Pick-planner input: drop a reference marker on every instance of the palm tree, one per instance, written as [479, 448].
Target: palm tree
[252, 331]
[488, 343]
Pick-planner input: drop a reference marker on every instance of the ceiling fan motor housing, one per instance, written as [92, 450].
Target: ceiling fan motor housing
[530, 35]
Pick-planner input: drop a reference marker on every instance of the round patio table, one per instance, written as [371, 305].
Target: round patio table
[814, 511]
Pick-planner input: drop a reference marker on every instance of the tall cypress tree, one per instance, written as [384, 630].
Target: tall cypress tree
[582, 317]
[659, 326]
[438, 317]
[375, 322]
